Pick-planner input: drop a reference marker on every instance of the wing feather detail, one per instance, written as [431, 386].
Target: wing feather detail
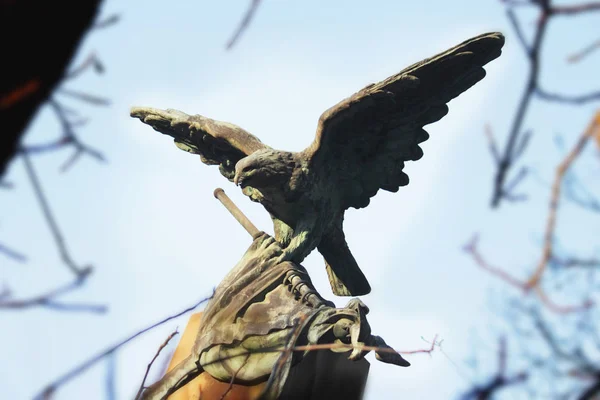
[217, 143]
[364, 141]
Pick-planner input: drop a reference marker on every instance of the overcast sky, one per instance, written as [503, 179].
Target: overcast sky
[158, 240]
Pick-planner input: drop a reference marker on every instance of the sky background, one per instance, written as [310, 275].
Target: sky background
[159, 241]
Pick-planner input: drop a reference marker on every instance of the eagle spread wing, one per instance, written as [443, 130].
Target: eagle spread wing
[363, 141]
[217, 143]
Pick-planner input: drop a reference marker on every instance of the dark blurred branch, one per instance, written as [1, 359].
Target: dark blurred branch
[160, 348]
[111, 387]
[244, 23]
[105, 23]
[592, 393]
[513, 150]
[89, 98]
[81, 368]
[48, 299]
[91, 61]
[569, 99]
[499, 381]
[38, 60]
[571, 262]
[69, 138]
[575, 8]
[13, 254]
[51, 221]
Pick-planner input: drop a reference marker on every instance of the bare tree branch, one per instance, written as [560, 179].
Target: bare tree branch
[91, 61]
[555, 199]
[13, 254]
[48, 299]
[580, 55]
[499, 381]
[51, 221]
[512, 150]
[575, 9]
[162, 346]
[81, 368]
[569, 99]
[244, 23]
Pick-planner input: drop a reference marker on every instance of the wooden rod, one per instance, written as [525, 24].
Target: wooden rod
[237, 213]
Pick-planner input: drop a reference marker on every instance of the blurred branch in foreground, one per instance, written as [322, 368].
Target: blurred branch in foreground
[35, 63]
[499, 381]
[51, 388]
[244, 23]
[69, 121]
[533, 282]
[517, 140]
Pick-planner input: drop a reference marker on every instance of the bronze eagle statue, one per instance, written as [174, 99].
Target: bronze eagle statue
[361, 146]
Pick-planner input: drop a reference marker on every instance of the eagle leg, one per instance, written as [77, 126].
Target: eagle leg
[345, 276]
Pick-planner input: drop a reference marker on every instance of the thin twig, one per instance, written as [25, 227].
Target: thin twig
[51, 221]
[524, 285]
[575, 8]
[90, 62]
[48, 299]
[244, 23]
[81, 368]
[555, 199]
[568, 99]
[517, 28]
[160, 348]
[580, 55]
[508, 157]
[89, 98]
[12, 254]
[499, 381]
[111, 390]
[233, 377]
[111, 20]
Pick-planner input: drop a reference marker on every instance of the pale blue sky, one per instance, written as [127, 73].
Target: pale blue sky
[159, 241]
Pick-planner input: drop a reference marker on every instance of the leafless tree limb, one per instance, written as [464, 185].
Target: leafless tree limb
[569, 99]
[244, 23]
[561, 170]
[512, 150]
[48, 299]
[580, 55]
[81, 368]
[111, 390]
[89, 98]
[105, 23]
[499, 381]
[160, 348]
[12, 254]
[51, 221]
[574, 9]
[526, 286]
[91, 61]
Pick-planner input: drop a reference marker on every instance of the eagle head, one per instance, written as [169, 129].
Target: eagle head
[264, 168]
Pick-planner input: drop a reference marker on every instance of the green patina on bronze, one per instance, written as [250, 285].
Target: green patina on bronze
[260, 307]
[361, 146]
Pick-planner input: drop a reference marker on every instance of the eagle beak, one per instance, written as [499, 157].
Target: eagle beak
[236, 180]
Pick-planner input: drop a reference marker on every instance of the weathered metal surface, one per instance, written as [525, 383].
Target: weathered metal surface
[261, 307]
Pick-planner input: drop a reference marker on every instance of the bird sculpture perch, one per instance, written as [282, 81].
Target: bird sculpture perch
[361, 146]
